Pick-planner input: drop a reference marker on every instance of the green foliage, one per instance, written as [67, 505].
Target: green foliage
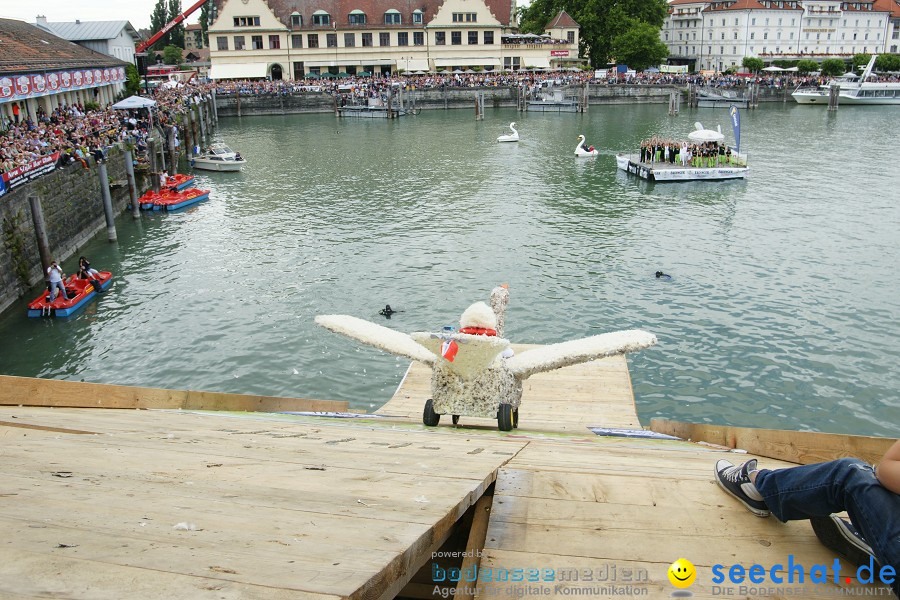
[601, 21]
[807, 66]
[14, 242]
[158, 19]
[91, 105]
[176, 34]
[204, 23]
[640, 47]
[832, 67]
[784, 64]
[860, 60]
[132, 80]
[752, 63]
[171, 55]
[887, 62]
[730, 70]
[477, 69]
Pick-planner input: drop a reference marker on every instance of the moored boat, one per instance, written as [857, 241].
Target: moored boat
[172, 199]
[79, 291]
[219, 157]
[179, 181]
[853, 90]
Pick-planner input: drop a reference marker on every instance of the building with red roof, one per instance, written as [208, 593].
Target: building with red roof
[718, 34]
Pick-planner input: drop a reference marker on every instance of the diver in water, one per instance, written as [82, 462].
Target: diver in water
[662, 276]
[387, 311]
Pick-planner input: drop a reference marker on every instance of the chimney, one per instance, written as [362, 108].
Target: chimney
[77, 22]
[41, 20]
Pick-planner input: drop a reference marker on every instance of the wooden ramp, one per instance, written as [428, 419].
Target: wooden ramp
[568, 400]
[323, 509]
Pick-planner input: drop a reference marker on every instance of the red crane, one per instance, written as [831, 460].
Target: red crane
[155, 37]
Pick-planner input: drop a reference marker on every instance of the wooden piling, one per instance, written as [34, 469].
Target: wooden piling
[132, 185]
[154, 171]
[173, 132]
[215, 107]
[40, 231]
[834, 95]
[107, 201]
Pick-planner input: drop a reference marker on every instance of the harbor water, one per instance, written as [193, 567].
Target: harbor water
[783, 309]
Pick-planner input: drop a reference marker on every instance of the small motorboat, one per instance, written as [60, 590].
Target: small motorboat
[172, 200]
[219, 157]
[510, 137]
[79, 291]
[583, 152]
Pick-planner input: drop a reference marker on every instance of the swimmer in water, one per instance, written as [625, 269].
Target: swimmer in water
[387, 311]
[663, 276]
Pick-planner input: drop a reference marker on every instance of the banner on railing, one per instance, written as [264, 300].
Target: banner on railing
[24, 174]
[28, 85]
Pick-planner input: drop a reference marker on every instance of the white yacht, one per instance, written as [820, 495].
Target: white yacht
[219, 157]
[854, 90]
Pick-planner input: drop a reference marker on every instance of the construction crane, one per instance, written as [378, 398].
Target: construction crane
[155, 37]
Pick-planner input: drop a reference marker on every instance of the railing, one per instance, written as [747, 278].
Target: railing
[559, 46]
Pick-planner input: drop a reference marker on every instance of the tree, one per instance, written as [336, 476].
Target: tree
[807, 66]
[132, 80]
[887, 62]
[639, 47]
[752, 63]
[204, 24]
[860, 60]
[171, 55]
[832, 67]
[601, 21]
[176, 34]
[158, 19]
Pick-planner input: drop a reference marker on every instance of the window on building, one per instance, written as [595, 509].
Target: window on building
[752, 35]
[256, 42]
[791, 36]
[367, 40]
[457, 17]
[735, 35]
[312, 40]
[723, 22]
[384, 39]
[734, 49]
[473, 38]
[356, 17]
[349, 40]
[403, 38]
[321, 18]
[570, 36]
[331, 40]
[488, 37]
[735, 22]
[274, 42]
[723, 35]
[765, 35]
[440, 38]
[779, 21]
[456, 38]
[296, 41]
[753, 21]
[417, 17]
[418, 38]
[767, 21]
[296, 20]
[221, 42]
[246, 21]
[679, 36]
[239, 42]
[710, 22]
[392, 17]
[471, 17]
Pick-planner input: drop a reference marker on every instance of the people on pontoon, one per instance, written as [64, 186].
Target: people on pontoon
[705, 155]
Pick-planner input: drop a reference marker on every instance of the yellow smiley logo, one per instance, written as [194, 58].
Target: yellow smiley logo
[682, 573]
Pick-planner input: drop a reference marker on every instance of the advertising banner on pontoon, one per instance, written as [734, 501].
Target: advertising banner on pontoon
[736, 126]
[30, 172]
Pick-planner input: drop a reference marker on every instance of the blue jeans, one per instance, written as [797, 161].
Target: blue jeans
[62, 289]
[841, 485]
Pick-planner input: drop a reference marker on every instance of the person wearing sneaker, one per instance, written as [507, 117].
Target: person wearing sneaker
[871, 496]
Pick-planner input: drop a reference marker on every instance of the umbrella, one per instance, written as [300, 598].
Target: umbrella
[134, 102]
[312, 76]
[792, 69]
[328, 75]
[343, 74]
[773, 68]
[701, 135]
[365, 74]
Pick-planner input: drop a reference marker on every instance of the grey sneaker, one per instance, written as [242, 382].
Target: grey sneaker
[841, 536]
[736, 481]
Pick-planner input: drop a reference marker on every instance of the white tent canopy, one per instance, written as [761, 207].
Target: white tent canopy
[773, 68]
[134, 102]
[701, 135]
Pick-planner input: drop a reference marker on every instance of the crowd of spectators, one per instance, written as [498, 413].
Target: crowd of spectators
[83, 134]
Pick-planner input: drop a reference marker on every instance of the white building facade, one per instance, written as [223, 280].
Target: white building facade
[112, 38]
[716, 35]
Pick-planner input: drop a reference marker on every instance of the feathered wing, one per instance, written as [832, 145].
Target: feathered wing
[375, 335]
[556, 356]
[475, 352]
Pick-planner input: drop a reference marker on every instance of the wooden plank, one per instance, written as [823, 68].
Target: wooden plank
[44, 428]
[29, 391]
[475, 543]
[803, 447]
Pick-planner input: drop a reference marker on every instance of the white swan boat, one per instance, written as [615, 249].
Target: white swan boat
[219, 157]
[510, 137]
[853, 90]
[664, 171]
[582, 152]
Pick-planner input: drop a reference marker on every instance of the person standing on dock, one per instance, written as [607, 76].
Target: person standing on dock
[871, 496]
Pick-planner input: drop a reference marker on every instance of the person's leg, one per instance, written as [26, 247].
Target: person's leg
[841, 485]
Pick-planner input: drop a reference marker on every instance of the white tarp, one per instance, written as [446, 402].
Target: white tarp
[537, 62]
[412, 64]
[462, 62]
[134, 102]
[238, 71]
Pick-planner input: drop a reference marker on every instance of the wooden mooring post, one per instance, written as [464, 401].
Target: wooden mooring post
[834, 95]
[585, 94]
[674, 102]
[107, 201]
[40, 231]
[170, 140]
[479, 106]
[132, 185]
[154, 171]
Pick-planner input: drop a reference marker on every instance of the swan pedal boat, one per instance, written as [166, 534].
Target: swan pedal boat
[510, 137]
[581, 152]
[80, 291]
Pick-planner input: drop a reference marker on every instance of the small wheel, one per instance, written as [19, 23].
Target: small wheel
[429, 417]
[505, 417]
[455, 419]
[516, 419]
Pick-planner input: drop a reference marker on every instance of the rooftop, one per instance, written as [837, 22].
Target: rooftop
[77, 30]
[26, 48]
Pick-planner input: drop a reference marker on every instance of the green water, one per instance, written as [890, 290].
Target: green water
[784, 310]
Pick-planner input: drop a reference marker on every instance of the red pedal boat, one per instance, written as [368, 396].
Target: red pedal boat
[79, 291]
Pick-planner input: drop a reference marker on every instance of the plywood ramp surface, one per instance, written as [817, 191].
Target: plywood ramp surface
[280, 509]
[617, 514]
[567, 400]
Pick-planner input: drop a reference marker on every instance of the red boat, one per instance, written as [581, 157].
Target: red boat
[172, 200]
[179, 181]
[79, 292]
